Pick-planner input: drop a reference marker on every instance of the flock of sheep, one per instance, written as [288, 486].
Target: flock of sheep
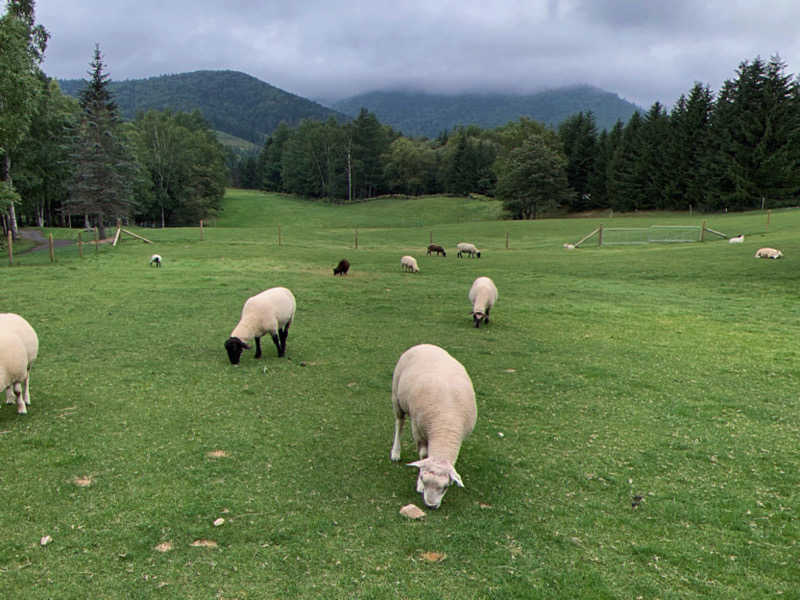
[429, 386]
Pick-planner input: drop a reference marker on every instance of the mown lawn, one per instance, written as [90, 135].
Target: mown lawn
[637, 432]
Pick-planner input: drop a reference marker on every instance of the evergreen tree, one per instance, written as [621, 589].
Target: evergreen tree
[624, 183]
[368, 142]
[754, 144]
[653, 170]
[578, 135]
[104, 169]
[687, 150]
[270, 160]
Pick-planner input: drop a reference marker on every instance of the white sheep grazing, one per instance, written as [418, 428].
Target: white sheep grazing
[467, 248]
[483, 295]
[271, 311]
[738, 239]
[14, 323]
[436, 393]
[13, 367]
[409, 263]
[768, 253]
[155, 260]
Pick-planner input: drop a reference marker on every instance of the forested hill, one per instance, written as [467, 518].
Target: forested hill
[418, 113]
[231, 101]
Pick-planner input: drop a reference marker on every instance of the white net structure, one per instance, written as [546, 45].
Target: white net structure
[655, 234]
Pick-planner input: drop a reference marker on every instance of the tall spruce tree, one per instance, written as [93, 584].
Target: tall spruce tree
[687, 150]
[755, 127]
[104, 168]
[579, 136]
[624, 184]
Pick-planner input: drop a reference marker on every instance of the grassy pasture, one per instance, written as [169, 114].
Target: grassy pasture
[666, 372]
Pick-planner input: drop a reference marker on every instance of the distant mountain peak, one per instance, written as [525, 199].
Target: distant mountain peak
[231, 101]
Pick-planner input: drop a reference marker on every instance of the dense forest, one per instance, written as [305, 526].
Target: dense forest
[736, 150]
[420, 114]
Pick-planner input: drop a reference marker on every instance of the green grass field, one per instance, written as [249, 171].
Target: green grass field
[667, 372]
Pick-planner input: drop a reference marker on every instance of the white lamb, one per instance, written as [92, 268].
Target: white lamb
[738, 239]
[14, 323]
[155, 260]
[409, 263]
[467, 248]
[13, 367]
[436, 393]
[271, 311]
[483, 295]
[768, 253]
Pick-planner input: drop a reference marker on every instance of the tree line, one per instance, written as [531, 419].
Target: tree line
[737, 150]
[76, 162]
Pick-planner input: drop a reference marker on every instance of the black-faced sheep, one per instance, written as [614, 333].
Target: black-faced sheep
[271, 311]
[437, 249]
[155, 260]
[483, 295]
[14, 323]
[409, 263]
[342, 268]
[434, 390]
[467, 248]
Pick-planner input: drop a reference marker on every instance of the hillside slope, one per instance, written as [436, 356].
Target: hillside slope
[232, 102]
[421, 114]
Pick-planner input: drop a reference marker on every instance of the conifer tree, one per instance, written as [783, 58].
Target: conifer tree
[104, 168]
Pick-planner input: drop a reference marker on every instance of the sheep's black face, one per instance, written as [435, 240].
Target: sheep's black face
[235, 346]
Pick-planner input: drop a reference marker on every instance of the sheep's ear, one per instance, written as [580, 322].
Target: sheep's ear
[455, 477]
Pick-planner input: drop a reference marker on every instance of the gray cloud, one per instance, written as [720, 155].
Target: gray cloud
[644, 51]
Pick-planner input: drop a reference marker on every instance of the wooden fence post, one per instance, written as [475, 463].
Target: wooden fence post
[96, 240]
[201, 230]
[279, 236]
[10, 249]
[703, 232]
[600, 235]
[355, 238]
[80, 245]
[506, 240]
[769, 214]
[52, 249]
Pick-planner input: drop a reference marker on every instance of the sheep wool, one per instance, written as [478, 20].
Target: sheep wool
[14, 323]
[434, 390]
[13, 367]
[482, 295]
[467, 248]
[342, 268]
[409, 263]
[271, 311]
[155, 260]
[737, 239]
[768, 253]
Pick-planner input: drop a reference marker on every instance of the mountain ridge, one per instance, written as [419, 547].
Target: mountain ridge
[246, 107]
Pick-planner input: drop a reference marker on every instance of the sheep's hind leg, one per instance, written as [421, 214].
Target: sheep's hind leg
[283, 334]
[21, 408]
[258, 347]
[277, 341]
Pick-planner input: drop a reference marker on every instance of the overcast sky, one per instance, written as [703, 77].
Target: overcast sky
[642, 50]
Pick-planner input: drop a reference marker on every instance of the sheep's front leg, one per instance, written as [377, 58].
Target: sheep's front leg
[283, 334]
[258, 347]
[399, 421]
[28, 389]
[9, 395]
